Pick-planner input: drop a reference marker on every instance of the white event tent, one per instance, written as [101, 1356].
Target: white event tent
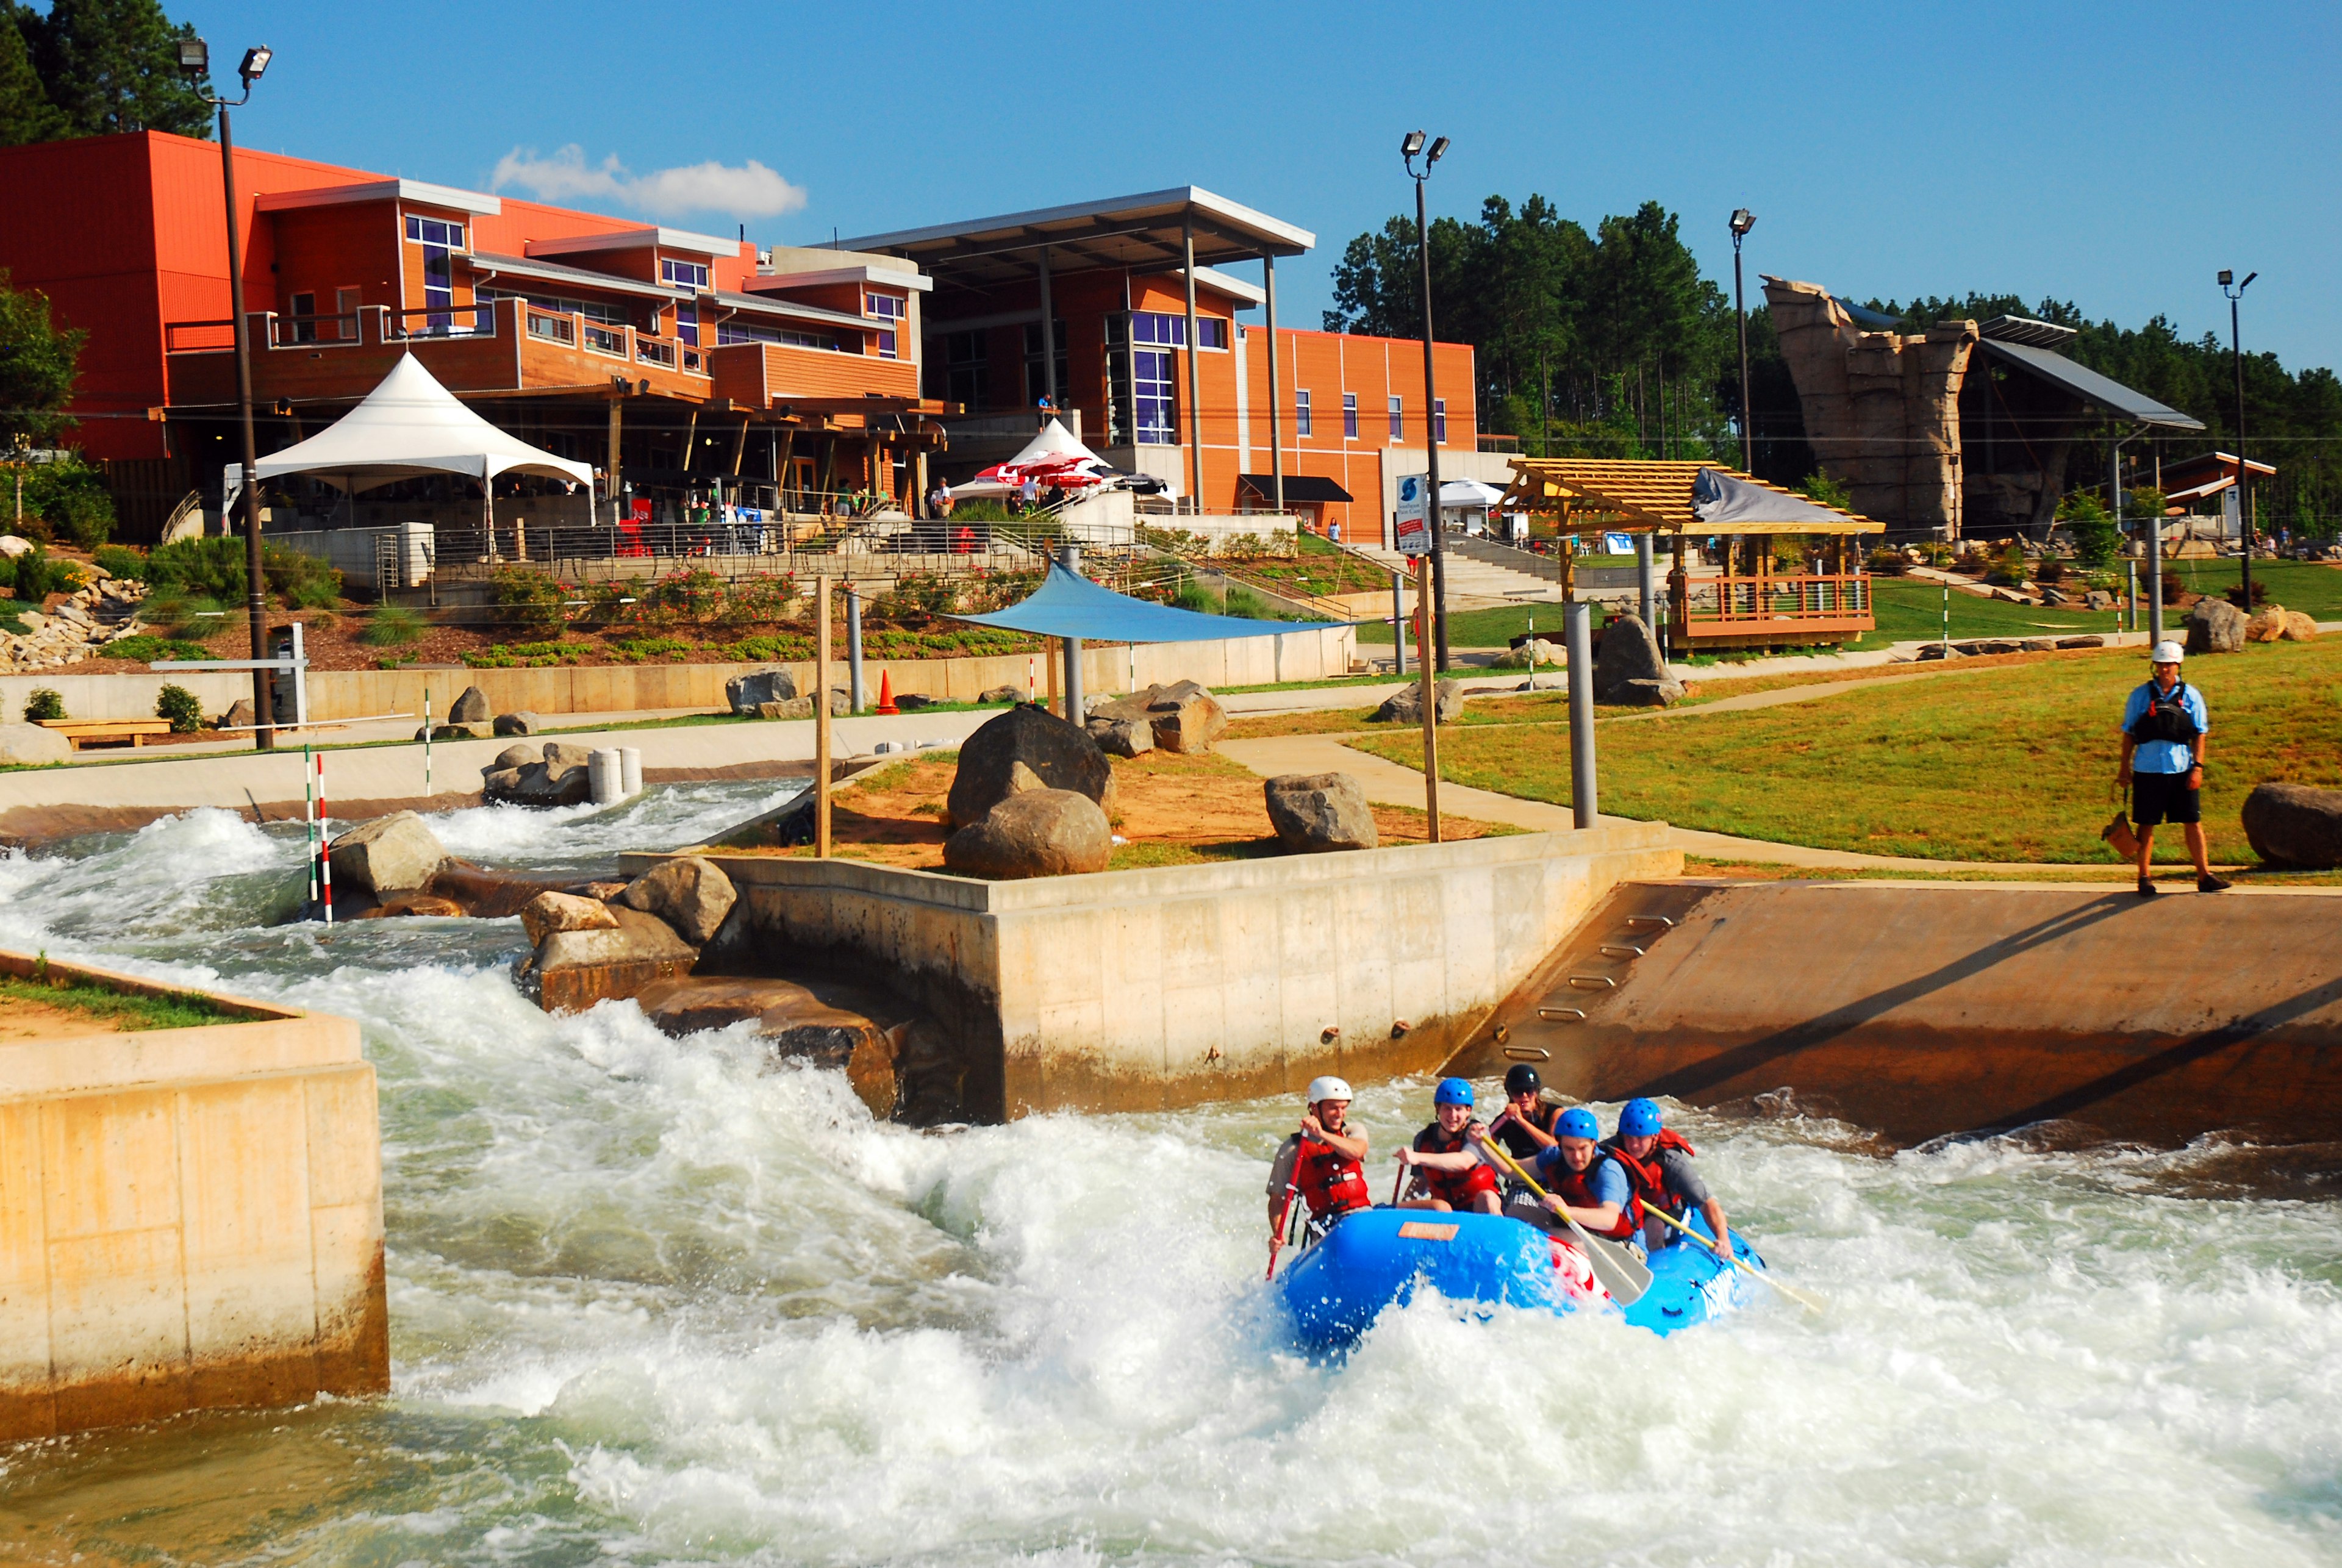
[408, 427]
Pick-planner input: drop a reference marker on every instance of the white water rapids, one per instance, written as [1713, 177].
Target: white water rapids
[654, 1302]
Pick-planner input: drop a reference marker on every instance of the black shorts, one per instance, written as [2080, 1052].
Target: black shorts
[2162, 797]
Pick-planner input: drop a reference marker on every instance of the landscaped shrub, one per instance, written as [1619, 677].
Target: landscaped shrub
[394, 626]
[529, 602]
[2049, 571]
[2236, 596]
[183, 614]
[302, 582]
[915, 598]
[178, 705]
[759, 600]
[71, 497]
[691, 596]
[2009, 569]
[980, 511]
[146, 649]
[2095, 538]
[35, 576]
[212, 568]
[1887, 563]
[1821, 488]
[125, 561]
[43, 703]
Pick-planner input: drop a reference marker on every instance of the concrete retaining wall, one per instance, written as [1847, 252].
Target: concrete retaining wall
[1149, 989]
[188, 1218]
[1301, 655]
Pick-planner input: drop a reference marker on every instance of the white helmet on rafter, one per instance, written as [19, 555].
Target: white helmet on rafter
[1324, 1089]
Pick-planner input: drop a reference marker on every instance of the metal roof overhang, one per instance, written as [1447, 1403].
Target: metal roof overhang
[2088, 385]
[765, 305]
[1309, 488]
[1140, 231]
[575, 277]
[1643, 496]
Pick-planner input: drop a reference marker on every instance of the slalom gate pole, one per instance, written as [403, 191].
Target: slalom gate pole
[309, 820]
[324, 845]
[1283, 1214]
[426, 742]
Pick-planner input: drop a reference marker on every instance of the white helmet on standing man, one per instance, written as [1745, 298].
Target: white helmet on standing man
[2167, 652]
[1328, 1088]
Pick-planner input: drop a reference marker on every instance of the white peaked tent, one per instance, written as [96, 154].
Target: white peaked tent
[1054, 457]
[408, 427]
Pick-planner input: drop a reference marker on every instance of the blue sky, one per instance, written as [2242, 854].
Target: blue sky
[2117, 156]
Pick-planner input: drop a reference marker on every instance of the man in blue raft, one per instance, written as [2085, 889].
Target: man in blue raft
[1658, 1163]
[1586, 1182]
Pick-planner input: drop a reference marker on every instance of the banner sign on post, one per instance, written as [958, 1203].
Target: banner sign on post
[2232, 514]
[1412, 536]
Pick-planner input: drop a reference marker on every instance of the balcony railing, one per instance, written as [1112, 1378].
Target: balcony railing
[443, 321]
[1736, 605]
[291, 331]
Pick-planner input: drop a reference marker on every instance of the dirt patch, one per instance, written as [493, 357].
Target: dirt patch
[1172, 810]
[23, 1020]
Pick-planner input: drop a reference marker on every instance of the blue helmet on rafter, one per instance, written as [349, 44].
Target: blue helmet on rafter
[1452, 1091]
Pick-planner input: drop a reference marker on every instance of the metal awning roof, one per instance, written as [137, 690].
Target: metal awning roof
[1637, 496]
[1139, 231]
[1309, 488]
[2088, 385]
[575, 277]
[2027, 330]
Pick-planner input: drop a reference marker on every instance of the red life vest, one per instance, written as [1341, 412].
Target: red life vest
[1575, 1188]
[1649, 1180]
[1330, 1182]
[1456, 1189]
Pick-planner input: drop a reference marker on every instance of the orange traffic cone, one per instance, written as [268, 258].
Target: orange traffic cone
[887, 695]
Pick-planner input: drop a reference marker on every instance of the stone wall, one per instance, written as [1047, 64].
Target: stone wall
[1142, 990]
[189, 1218]
[1881, 408]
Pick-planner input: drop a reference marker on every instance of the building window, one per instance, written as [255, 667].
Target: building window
[890, 308]
[1211, 332]
[1349, 416]
[737, 331]
[686, 323]
[305, 318]
[1169, 329]
[692, 276]
[967, 370]
[1155, 389]
[1036, 385]
[439, 241]
[1300, 411]
[345, 306]
[1397, 419]
[1439, 420]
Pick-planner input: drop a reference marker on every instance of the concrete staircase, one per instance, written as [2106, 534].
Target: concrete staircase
[1473, 580]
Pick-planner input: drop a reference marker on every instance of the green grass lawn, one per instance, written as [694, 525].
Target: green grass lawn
[129, 1010]
[2013, 763]
[2310, 586]
[1490, 628]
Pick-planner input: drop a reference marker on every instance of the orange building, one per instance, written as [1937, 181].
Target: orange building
[1088, 307]
[673, 361]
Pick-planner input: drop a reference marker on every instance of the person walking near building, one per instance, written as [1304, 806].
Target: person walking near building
[2164, 723]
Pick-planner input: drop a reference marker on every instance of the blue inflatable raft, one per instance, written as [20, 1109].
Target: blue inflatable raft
[1379, 1257]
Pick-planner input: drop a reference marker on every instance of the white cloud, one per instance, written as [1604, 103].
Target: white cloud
[749, 191]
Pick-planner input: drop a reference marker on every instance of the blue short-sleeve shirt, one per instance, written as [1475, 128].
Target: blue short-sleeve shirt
[2165, 756]
[1608, 1181]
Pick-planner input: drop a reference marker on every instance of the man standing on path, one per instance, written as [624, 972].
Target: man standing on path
[2164, 726]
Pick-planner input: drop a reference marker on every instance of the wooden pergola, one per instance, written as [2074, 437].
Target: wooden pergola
[1749, 605]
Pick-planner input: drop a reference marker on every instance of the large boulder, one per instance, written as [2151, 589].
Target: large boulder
[1184, 715]
[514, 757]
[471, 708]
[519, 723]
[689, 893]
[2299, 628]
[1404, 706]
[1000, 694]
[2215, 626]
[238, 716]
[747, 694]
[2266, 625]
[551, 912]
[572, 970]
[1032, 833]
[1122, 737]
[394, 854]
[30, 745]
[562, 777]
[1527, 653]
[2294, 824]
[1315, 812]
[1059, 754]
[1630, 671]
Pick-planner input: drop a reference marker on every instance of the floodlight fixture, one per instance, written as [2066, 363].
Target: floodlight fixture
[1412, 144]
[1438, 151]
[256, 61]
[195, 60]
[2227, 277]
[1742, 220]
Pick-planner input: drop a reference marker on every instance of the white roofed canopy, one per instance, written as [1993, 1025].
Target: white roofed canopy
[409, 428]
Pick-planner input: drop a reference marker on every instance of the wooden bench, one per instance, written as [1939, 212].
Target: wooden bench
[108, 732]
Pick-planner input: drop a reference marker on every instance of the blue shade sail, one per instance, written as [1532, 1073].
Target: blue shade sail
[1070, 605]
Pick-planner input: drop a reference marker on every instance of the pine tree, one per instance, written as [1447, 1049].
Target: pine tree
[112, 65]
[25, 113]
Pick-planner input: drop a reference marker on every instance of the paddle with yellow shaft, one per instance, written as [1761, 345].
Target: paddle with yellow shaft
[1794, 1294]
[1620, 1272]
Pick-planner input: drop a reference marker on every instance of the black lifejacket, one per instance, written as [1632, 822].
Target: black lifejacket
[2166, 717]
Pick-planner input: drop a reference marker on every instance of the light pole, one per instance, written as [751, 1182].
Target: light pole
[1409, 147]
[2235, 291]
[1742, 220]
[195, 63]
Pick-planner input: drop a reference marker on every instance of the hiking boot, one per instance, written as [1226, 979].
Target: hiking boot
[2147, 888]
[2207, 882]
